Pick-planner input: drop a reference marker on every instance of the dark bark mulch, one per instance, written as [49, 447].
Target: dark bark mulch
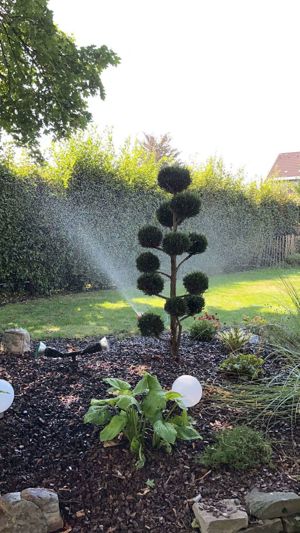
[43, 441]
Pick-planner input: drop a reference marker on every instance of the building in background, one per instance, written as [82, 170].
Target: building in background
[286, 168]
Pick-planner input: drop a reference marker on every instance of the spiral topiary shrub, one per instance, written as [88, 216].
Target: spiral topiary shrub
[170, 214]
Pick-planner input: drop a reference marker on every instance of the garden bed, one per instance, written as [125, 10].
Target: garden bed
[45, 443]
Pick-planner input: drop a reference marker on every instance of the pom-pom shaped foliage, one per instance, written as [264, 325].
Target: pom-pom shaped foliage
[174, 179]
[147, 262]
[185, 205]
[164, 215]
[199, 243]
[194, 304]
[176, 306]
[196, 282]
[176, 243]
[150, 236]
[150, 284]
[150, 325]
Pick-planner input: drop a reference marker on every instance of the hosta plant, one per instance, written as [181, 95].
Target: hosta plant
[147, 415]
[234, 339]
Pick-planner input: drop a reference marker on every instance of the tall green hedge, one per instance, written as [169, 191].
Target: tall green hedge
[73, 222]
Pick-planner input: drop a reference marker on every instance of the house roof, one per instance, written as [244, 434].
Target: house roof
[287, 165]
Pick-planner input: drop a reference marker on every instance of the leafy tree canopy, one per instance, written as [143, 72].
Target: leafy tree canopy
[45, 79]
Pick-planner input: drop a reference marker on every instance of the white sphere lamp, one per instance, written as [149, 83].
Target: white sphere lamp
[7, 395]
[189, 388]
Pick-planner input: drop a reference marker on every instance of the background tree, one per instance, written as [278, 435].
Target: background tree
[45, 79]
[160, 147]
[171, 214]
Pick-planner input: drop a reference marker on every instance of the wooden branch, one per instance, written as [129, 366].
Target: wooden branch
[183, 260]
[164, 274]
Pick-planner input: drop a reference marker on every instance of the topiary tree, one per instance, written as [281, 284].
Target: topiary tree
[170, 214]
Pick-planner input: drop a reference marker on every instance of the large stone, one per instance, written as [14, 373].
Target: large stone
[228, 519]
[47, 501]
[267, 526]
[21, 516]
[292, 524]
[272, 504]
[16, 341]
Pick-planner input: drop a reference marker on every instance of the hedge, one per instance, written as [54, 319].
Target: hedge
[73, 222]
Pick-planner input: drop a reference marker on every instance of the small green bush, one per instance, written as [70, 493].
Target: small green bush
[203, 330]
[150, 325]
[196, 282]
[239, 448]
[293, 260]
[241, 364]
[147, 262]
[234, 339]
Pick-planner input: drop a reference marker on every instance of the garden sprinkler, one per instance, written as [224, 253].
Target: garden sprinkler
[48, 351]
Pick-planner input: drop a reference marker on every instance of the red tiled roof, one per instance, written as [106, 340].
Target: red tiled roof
[286, 165]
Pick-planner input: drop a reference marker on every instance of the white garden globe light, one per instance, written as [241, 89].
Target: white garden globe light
[6, 395]
[190, 389]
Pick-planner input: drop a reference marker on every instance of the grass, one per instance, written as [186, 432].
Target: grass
[231, 296]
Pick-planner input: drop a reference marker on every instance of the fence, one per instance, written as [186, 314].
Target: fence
[276, 251]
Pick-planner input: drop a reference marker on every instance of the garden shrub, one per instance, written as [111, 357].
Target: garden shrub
[203, 330]
[234, 339]
[240, 448]
[248, 365]
[144, 415]
[293, 260]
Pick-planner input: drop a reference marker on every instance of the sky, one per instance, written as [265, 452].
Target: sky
[221, 76]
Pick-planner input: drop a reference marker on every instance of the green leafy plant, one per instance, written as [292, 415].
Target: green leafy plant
[248, 365]
[183, 205]
[293, 260]
[255, 324]
[145, 415]
[203, 330]
[234, 339]
[239, 448]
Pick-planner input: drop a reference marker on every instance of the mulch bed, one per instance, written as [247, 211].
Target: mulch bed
[43, 441]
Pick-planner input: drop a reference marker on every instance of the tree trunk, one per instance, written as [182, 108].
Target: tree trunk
[174, 319]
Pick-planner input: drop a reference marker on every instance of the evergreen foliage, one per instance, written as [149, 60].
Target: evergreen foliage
[196, 282]
[150, 236]
[175, 243]
[147, 262]
[151, 284]
[150, 325]
[170, 214]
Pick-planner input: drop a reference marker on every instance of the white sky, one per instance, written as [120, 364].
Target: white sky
[221, 76]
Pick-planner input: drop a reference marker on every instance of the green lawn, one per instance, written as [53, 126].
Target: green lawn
[86, 314]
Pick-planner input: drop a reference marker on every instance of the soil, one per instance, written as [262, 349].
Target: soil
[44, 442]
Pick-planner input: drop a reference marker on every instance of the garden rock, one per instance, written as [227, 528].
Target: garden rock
[267, 526]
[47, 501]
[21, 516]
[254, 340]
[227, 517]
[16, 341]
[272, 504]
